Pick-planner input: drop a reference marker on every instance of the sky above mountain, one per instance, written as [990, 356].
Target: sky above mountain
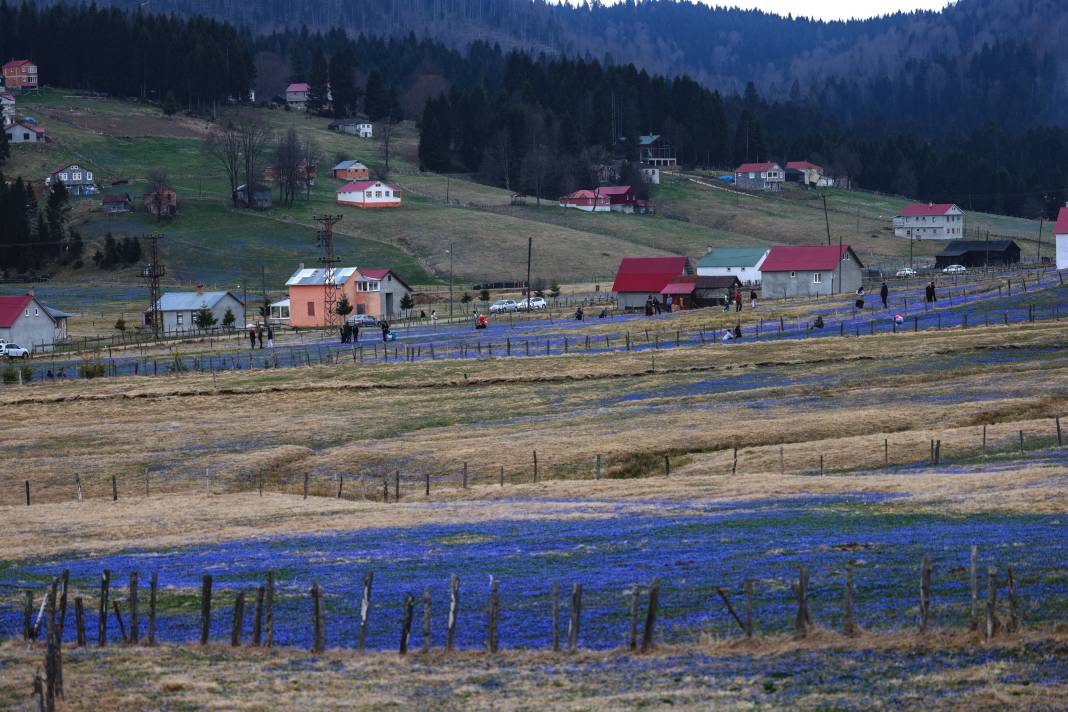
[834, 9]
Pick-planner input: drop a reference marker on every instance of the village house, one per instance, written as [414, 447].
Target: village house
[639, 278]
[650, 172]
[930, 221]
[20, 74]
[310, 175]
[354, 127]
[369, 194]
[621, 198]
[23, 132]
[279, 311]
[759, 176]
[262, 198]
[374, 292]
[586, 200]
[351, 170]
[1060, 231]
[810, 270]
[978, 253]
[27, 322]
[806, 173]
[297, 95]
[178, 310]
[117, 203]
[655, 150]
[78, 180]
[161, 201]
[741, 262]
[691, 291]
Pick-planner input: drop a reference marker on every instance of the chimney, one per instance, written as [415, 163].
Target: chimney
[301, 265]
[30, 290]
[200, 290]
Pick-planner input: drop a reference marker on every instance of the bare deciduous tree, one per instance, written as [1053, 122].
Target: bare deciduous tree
[223, 146]
[312, 155]
[255, 136]
[387, 135]
[288, 169]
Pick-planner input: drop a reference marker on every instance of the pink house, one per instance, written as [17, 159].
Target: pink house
[374, 292]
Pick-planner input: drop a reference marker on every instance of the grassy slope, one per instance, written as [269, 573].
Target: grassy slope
[213, 243]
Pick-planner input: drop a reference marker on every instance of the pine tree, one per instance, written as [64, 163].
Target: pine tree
[343, 83]
[343, 308]
[318, 81]
[170, 104]
[204, 319]
[376, 99]
[434, 135]
[296, 67]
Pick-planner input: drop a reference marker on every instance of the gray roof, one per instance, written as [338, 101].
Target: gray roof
[733, 257]
[305, 277]
[345, 165]
[959, 247]
[191, 301]
[648, 139]
[56, 313]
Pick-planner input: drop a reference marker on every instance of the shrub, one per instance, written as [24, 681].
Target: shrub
[92, 369]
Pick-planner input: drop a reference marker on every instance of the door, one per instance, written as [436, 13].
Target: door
[389, 303]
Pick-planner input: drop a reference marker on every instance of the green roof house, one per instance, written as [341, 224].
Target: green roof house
[741, 262]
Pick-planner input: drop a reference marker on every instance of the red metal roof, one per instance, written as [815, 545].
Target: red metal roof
[802, 166]
[682, 284]
[647, 274]
[1062, 222]
[755, 167]
[298, 86]
[11, 308]
[930, 209]
[380, 273]
[615, 189]
[793, 258]
[15, 63]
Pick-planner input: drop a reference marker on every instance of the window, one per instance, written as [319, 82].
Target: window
[25, 137]
[36, 311]
[311, 308]
[76, 176]
[88, 175]
[793, 274]
[63, 177]
[378, 194]
[817, 278]
[179, 317]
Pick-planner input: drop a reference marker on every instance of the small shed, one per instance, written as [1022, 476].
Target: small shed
[117, 203]
[978, 253]
[261, 197]
[692, 291]
[178, 309]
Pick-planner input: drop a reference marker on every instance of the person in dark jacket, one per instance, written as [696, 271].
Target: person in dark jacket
[884, 294]
[385, 330]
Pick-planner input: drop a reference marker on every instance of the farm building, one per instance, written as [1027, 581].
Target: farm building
[20, 74]
[930, 221]
[806, 173]
[639, 278]
[621, 198]
[351, 170]
[78, 180]
[262, 199]
[690, 291]
[376, 292]
[354, 127]
[178, 309]
[117, 203]
[30, 324]
[21, 132]
[1061, 233]
[657, 151]
[369, 194]
[161, 201]
[587, 200]
[741, 262]
[977, 253]
[297, 95]
[810, 270]
[759, 176]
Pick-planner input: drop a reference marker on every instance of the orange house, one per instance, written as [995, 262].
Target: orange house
[374, 292]
[20, 74]
[351, 170]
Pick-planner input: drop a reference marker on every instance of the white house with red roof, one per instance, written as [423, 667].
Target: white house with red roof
[370, 194]
[20, 74]
[22, 132]
[1060, 230]
[30, 324]
[640, 278]
[297, 95]
[587, 200]
[930, 221]
[759, 176]
[810, 270]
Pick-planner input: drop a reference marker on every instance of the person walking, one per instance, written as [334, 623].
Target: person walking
[252, 336]
[270, 337]
[355, 333]
[649, 305]
[259, 333]
[385, 331]
[752, 299]
[884, 294]
[934, 294]
[737, 300]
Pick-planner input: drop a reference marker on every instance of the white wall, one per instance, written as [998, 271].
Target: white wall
[1062, 251]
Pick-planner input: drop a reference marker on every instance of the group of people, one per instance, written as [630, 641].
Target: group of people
[652, 306]
[258, 332]
[929, 293]
[350, 333]
[735, 299]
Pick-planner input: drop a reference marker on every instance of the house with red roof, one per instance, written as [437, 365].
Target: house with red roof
[370, 194]
[810, 270]
[297, 95]
[805, 173]
[23, 132]
[621, 198]
[376, 292]
[640, 278]
[19, 74]
[589, 201]
[759, 176]
[930, 221]
[1060, 230]
[30, 324]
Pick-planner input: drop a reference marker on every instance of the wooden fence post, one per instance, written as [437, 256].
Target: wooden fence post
[305, 485]
[973, 580]
[597, 469]
[426, 619]
[556, 615]
[396, 485]
[318, 632]
[102, 620]
[1060, 437]
[454, 604]
[635, 594]
[365, 609]
[118, 619]
[427, 484]
[535, 465]
[133, 608]
[1014, 603]
[984, 437]
[925, 593]
[465, 476]
[849, 625]
[27, 493]
[239, 620]
[749, 608]
[268, 618]
[502, 476]
[406, 622]
[257, 617]
[78, 484]
[205, 609]
[649, 634]
[782, 461]
[114, 490]
[1021, 442]
[886, 452]
[667, 465]
[575, 618]
[734, 463]
[991, 602]
[803, 620]
[79, 621]
[494, 609]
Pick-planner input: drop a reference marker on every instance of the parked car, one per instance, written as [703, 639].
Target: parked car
[504, 305]
[955, 269]
[13, 351]
[906, 272]
[536, 304]
[361, 320]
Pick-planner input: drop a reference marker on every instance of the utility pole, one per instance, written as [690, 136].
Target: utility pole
[151, 273]
[826, 218]
[912, 239]
[1040, 221]
[329, 262]
[263, 287]
[450, 280]
[530, 249]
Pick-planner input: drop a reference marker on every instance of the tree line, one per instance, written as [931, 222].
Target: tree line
[33, 236]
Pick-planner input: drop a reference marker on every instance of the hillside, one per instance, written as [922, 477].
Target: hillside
[212, 242]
